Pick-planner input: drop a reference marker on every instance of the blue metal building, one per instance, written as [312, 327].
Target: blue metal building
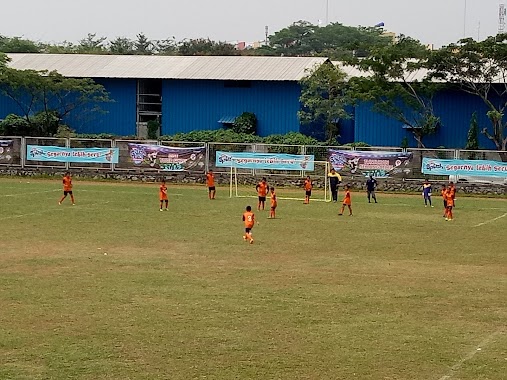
[182, 93]
[197, 93]
[455, 109]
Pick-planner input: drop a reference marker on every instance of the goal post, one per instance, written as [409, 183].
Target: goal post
[320, 192]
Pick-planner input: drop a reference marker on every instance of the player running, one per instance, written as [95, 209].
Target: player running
[67, 188]
[162, 195]
[262, 190]
[210, 182]
[249, 220]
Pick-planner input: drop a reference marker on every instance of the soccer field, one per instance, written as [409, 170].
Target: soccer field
[112, 288]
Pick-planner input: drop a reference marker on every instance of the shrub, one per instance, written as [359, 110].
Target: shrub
[245, 123]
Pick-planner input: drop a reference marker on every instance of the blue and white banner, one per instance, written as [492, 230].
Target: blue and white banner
[475, 168]
[271, 161]
[61, 154]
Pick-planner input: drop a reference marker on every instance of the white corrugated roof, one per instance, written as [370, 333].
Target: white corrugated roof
[169, 67]
[354, 72]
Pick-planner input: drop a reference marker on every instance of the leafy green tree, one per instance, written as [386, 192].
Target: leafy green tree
[15, 125]
[153, 129]
[390, 83]
[168, 46]
[336, 41]
[202, 46]
[64, 47]
[44, 98]
[3, 61]
[323, 98]
[473, 136]
[121, 45]
[245, 123]
[294, 40]
[479, 69]
[91, 44]
[143, 46]
[17, 45]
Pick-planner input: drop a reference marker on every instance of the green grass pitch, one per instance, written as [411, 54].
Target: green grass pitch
[114, 289]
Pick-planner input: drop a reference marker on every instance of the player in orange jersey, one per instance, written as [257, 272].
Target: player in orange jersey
[67, 188]
[449, 194]
[262, 190]
[443, 192]
[249, 220]
[308, 185]
[162, 195]
[347, 201]
[210, 182]
[274, 203]
[452, 188]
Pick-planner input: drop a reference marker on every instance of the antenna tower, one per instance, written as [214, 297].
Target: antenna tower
[501, 18]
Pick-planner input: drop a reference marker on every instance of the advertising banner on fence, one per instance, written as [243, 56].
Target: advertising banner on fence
[167, 158]
[478, 168]
[62, 154]
[6, 151]
[271, 161]
[374, 163]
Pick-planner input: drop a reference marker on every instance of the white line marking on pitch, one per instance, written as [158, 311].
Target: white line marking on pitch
[34, 192]
[470, 355]
[55, 209]
[492, 220]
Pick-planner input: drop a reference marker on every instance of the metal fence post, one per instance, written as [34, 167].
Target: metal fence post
[67, 145]
[22, 152]
[206, 161]
[113, 145]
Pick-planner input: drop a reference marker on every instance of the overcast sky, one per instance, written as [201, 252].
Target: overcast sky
[431, 21]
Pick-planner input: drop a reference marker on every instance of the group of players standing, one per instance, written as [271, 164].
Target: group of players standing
[448, 194]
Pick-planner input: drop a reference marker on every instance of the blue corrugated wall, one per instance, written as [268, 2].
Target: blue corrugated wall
[454, 108]
[119, 117]
[7, 106]
[198, 104]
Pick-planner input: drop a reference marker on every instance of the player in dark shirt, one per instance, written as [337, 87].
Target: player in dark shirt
[371, 185]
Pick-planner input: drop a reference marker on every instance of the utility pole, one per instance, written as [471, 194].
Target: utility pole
[501, 18]
[327, 12]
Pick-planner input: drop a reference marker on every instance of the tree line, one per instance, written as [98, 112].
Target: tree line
[298, 39]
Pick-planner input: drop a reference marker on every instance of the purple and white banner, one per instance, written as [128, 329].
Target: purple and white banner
[375, 163]
[167, 158]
